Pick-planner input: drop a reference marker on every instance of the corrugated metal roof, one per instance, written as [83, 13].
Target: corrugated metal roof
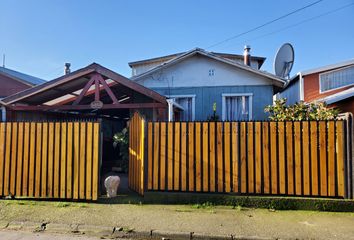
[171, 56]
[328, 67]
[21, 76]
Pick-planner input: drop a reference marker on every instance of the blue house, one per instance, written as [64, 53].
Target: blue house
[197, 80]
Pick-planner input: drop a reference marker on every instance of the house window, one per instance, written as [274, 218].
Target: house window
[187, 102]
[336, 79]
[237, 107]
[211, 72]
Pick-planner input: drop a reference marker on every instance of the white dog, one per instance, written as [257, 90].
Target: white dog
[112, 183]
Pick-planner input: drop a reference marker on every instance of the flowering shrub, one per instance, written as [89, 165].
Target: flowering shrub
[300, 111]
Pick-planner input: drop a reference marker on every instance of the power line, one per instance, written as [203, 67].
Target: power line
[265, 24]
[301, 22]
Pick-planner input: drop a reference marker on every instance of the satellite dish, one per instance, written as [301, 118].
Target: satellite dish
[284, 60]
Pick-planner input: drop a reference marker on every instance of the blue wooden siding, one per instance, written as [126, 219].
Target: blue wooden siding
[206, 96]
[291, 93]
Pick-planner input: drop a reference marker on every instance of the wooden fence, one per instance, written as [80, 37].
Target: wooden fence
[276, 158]
[50, 159]
[136, 153]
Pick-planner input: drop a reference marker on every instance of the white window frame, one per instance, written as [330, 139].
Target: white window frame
[335, 70]
[186, 96]
[224, 95]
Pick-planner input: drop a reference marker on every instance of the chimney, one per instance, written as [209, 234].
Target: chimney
[247, 55]
[67, 68]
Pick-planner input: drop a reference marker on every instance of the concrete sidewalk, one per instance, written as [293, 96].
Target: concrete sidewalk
[173, 221]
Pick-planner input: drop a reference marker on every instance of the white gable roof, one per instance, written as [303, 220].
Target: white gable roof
[276, 80]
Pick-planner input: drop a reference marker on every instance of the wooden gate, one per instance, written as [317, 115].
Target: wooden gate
[136, 153]
[57, 160]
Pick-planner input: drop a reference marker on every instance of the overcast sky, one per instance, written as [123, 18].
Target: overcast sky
[38, 37]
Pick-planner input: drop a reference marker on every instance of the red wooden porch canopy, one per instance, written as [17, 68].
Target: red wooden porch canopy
[90, 88]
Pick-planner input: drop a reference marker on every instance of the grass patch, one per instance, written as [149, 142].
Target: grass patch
[183, 210]
[63, 204]
[206, 205]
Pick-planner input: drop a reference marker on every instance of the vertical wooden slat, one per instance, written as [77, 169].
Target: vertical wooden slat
[289, 157]
[282, 167]
[76, 150]
[136, 152]
[156, 155]
[96, 159]
[306, 157]
[32, 159]
[69, 161]
[170, 156]
[243, 142]
[57, 160]
[235, 156]
[219, 130]
[340, 157]
[142, 156]
[44, 160]
[205, 157]
[7, 160]
[51, 133]
[273, 157]
[191, 156]
[82, 162]
[150, 150]
[19, 159]
[13, 159]
[184, 156]
[314, 159]
[250, 153]
[37, 188]
[2, 156]
[297, 140]
[266, 157]
[130, 155]
[212, 156]
[163, 157]
[323, 158]
[89, 139]
[177, 149]
[227, 157]
[198, 157]
[63, 156]
[258, 156]
[331, 159]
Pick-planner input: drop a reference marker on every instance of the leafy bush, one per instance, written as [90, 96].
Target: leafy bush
[300, 111]
[121, 140]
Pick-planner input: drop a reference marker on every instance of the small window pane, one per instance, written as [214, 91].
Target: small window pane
[186, 103]
[237, 108]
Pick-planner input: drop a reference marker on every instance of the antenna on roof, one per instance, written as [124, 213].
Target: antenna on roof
[284, 60]
[3, 60]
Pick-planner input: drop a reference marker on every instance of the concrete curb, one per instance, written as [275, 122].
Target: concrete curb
[105, 232]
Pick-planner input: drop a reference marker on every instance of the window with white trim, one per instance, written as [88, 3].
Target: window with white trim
[237, 107]
[336, 79]
[187, 102]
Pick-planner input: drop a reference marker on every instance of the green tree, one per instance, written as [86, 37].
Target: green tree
[300, 111]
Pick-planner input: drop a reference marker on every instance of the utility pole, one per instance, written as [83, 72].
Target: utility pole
[3, 60]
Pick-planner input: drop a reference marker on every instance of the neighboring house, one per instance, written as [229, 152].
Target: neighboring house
[197, 79]
[333, 84]
[12, 82]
